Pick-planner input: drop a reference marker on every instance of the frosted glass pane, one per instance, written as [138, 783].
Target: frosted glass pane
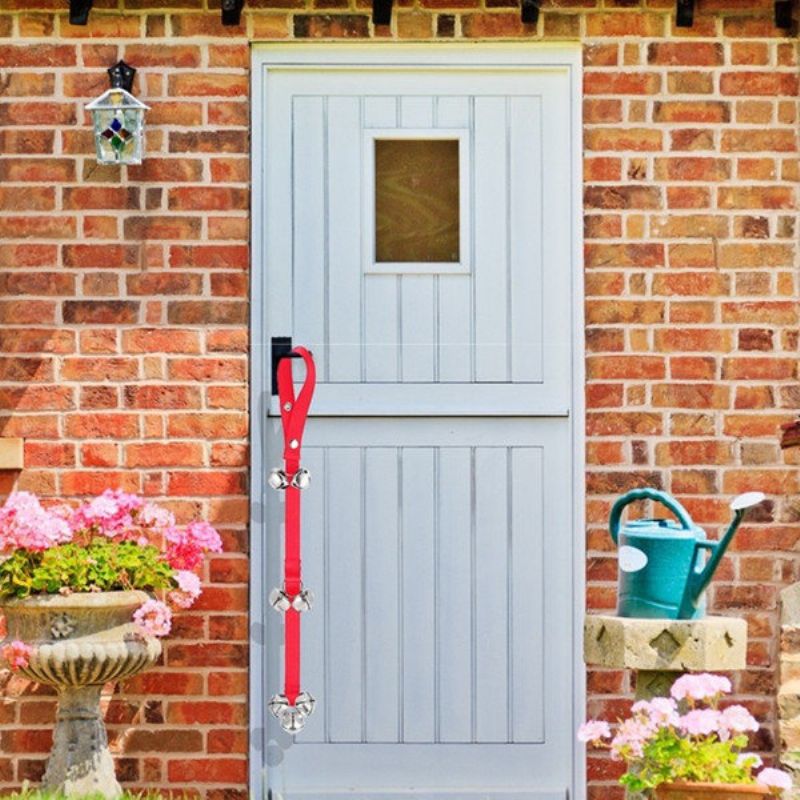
[416, 200]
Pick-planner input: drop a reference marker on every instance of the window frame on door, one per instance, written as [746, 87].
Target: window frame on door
[369, 214]
[266, 57]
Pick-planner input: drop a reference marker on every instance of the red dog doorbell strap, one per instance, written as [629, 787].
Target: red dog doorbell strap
[293, 707]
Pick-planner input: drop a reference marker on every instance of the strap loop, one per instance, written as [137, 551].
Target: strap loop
[290, 708]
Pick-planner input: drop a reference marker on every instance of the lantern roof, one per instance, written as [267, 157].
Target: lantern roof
[116, 98]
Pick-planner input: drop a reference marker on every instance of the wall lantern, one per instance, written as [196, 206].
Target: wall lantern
[118, 119]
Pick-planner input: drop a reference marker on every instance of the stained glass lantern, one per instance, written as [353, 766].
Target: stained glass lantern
[118, 119]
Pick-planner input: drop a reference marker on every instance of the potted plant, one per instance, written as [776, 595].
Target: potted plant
[87, 593]
[686, 747]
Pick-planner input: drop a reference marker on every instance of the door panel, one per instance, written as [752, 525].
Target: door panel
[381, 331]
[437, 533]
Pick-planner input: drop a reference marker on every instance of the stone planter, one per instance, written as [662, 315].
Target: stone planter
[81, 641]
[711, 791]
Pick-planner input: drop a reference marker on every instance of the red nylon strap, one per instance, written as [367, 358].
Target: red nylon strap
[294, 411]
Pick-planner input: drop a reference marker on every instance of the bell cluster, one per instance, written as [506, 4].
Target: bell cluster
[292, 718]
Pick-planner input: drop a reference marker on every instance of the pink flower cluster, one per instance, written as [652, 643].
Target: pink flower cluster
[26, 524]
[705, 687]
[153, 618]
[703, 723]
[17, 655]
[188, 589]
[185, 548]
[776, 779]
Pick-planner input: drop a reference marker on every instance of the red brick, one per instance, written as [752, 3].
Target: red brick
[219, 770]
[37, 55]
[161, 55]
[103, 312]
[204, 84]
[162, 396]
[99, 369]
[164, 227]
[210, 256]
[169, 283]
[626, 83]
[205, 483]
[110, 256]
[759, 368]
[160, 340]
[208, 426]
[99, 454]
[759, 83]
[625, 367]
[164, 454]
[47, 227]
[685, 54]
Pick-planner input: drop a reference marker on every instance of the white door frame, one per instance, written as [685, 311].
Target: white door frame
[478, 55]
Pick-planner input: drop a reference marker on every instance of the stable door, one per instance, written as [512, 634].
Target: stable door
[416, 230]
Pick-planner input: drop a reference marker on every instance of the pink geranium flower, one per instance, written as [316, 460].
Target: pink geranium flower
[204, 536]
[17, 655]
[154, 618]
[736, 719]
[700, 721]
[594, 731]
[700, 687]
[658, 712]
[110, 514]
[188, 589]
[185, 548]
[26, 524]
[777, 780]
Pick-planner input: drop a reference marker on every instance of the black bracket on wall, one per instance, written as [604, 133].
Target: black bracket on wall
[232, 11]
[381, 12]
[684, 13]
[529, 11]
[79, 11]
[783, 14]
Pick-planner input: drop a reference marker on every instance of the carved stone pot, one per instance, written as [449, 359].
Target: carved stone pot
[711, 791]
[80, 642]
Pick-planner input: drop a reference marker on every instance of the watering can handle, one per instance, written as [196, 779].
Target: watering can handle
[647, 493]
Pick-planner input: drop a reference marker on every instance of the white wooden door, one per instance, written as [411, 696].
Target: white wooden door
[438, 532]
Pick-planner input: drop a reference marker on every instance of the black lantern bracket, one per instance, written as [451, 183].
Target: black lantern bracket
[382, 12]
[79, 11]
[684, 13]
[121, 76]
[232, 12]
[783, 14]
[529, 11]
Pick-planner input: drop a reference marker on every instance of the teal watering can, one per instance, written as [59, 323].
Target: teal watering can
[665, 566]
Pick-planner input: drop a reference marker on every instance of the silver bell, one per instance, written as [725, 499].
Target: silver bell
[301, 479]
[305, 703]
[303, 600]
[293, 720]
[278, 479]
[277, 705]
[279, 600]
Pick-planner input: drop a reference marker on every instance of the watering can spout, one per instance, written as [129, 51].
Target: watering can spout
[699, 580]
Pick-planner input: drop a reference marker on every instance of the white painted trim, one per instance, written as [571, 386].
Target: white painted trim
[479, 55]
[462, 266]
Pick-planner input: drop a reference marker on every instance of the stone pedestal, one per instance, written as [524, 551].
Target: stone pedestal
[81, 764]
[660, 650]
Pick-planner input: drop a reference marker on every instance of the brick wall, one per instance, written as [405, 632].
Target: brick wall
[123, 306]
